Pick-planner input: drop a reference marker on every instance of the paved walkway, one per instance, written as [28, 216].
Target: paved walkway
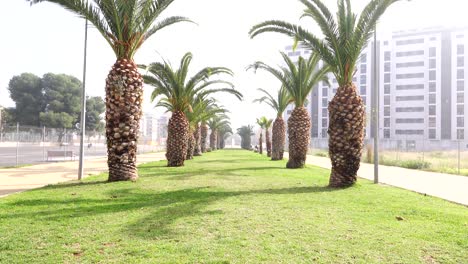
[446, 186]
[21, 179]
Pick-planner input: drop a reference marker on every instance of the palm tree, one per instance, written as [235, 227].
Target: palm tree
[211, 111]
[245, 132]
[298, 80]
[279, 104]
[345, 38]
[215, 124]
[223, 133]
[267, 136]
[262, 121]
[125, 25]
[177, 94]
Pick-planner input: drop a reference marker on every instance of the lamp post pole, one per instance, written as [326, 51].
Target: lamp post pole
[83, 106]
[376, 111]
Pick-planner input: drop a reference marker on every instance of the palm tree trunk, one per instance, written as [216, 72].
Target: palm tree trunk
[278, 137]
[177, 132]
[268, 142]
[346, 135]
[299, 137]
[213, 140]
[260, 147]
[197, 135]
[204, 135]
[190, 145]
[124, 99]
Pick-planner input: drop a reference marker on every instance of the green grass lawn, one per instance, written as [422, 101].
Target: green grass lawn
[229, 206]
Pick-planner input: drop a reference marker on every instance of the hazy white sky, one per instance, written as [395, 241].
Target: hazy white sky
[46, 38]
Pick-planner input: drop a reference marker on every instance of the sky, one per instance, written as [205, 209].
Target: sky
[46, 38]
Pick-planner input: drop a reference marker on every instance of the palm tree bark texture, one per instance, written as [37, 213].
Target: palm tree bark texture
[213, 140]
[124, 98]
[268, 142]
[177, 132]
[197, 135]
[260, 143]
[346, 134]
[190, 145]
[204, 136]
[278, 139]
[299, 137]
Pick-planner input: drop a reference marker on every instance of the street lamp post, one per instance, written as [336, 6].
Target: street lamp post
[83, 106]
[376, 111]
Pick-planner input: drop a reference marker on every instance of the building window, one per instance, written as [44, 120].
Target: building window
[432, 87]
[386, 133]
[460, 49]
[432, 134]
[432, 52]
[289, 112]
[364, 100]
[410, 87]
[409, 41]
[460, 85]
[432, 110]
[324, 133]
[410, 98]
[386, 122]
[387, 111]
[363, 90]
[409, 132]
[387, 100]
[460, 36]
[387, 67]
[363, 58]
[433, 39]
[363, 68]
[324, 91]
[460, 109]
[324, 122]
[409, 109]
[460, 61]
[460, 133]
[387, 88]
[432, 75]
[324, 112]
[363, 79]
[432, 64]
[387, 78]
[409, 120]
[432, 122]
[410, 76]
[432, 98]
[387, 55]
[460, 74]
[460, 98]
[410, 64]
[460, 121]
[324, 102]
[410, 53]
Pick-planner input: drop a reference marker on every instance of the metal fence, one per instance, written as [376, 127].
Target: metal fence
[446, 156]
[25, 145]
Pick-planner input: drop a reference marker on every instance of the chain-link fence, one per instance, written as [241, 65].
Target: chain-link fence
[25, 145]
[446, 156]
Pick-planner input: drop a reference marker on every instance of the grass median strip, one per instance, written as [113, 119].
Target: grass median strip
[230, 206]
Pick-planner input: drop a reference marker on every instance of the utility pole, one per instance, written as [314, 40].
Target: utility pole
[83, 106]
[376, 111]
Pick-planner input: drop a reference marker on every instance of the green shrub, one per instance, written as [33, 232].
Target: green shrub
[415, 164]
[321, 154]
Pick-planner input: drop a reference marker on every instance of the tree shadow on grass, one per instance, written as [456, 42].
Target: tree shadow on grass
[155, 211]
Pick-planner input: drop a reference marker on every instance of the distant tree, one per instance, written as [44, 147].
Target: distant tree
[27, 93]
[95, 106]
[51, 101]
[62, 95]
